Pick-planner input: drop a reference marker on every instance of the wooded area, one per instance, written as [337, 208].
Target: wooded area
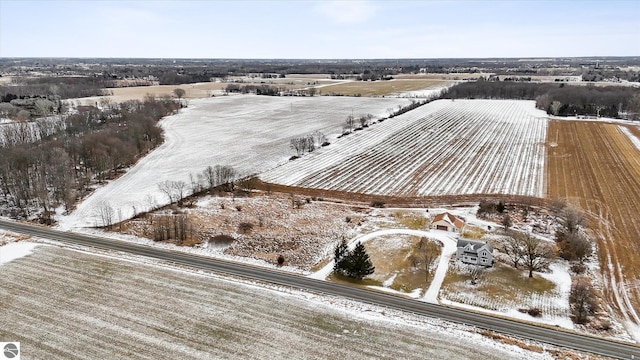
[555, 99]
[43, 167]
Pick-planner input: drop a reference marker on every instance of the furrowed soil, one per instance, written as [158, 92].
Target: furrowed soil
[596, 167]
[63, 304]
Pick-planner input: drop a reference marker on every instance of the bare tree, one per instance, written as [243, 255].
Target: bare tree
[349, 123]
[209, 177]
[179, 187]
[175, 190]
[536, 253]
[582, 300]
[225, 175]
[572, 242]
[319, 138]
[573, 219]
[167, 188]
[506, 222]
[219, 175]
[106, 213]
[511, 247]
[526, 249]
[179, 93]
[426, 254]
[298, 144]
[365, 120]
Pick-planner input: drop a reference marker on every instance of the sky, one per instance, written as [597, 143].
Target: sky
[319, 29]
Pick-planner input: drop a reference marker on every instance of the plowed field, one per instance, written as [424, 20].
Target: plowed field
[595, 166]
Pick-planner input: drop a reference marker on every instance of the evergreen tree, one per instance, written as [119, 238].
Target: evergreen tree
[340, 255]
[359, 264]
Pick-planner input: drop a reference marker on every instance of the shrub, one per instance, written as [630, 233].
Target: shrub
[377, 204]
[280, 259]
[485, 208]
[245, 227]
[347, 219]
[222, 239]
[535, 312]
[578, 268]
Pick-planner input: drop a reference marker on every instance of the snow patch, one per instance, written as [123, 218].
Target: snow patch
[634, 139]
[15, 250]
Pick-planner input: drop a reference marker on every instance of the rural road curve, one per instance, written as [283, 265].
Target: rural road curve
[545, 335]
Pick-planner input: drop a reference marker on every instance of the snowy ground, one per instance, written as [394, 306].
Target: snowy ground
[442, 148]
[90, 306]
[448, 248]
[15, 250]
[250, 133]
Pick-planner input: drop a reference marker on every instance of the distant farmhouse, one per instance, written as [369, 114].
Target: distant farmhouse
[475, 252]
[447, 222]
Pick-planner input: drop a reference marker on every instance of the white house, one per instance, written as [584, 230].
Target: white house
[447, 222]
[475, 252]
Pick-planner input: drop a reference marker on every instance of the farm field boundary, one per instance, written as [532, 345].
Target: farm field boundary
[595, 166]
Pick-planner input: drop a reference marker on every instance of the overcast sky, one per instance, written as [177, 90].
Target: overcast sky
[319, 29]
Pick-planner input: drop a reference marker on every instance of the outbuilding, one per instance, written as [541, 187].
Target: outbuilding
[447, 222]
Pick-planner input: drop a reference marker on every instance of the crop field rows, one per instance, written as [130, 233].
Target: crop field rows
[596, 166]
[443, 148]
[62, 304]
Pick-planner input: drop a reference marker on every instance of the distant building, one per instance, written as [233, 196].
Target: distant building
[447, 222]
[474, 252]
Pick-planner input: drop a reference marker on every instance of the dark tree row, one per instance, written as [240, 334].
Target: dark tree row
[54, 88]
[57, 168]
[608, 101]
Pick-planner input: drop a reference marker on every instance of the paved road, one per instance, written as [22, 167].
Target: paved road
[545, 335]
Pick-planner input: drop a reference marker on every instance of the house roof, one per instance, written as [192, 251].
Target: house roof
[450, 219]
[477, 245]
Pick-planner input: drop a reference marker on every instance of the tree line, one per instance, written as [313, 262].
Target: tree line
[561, 100]
[40, 172]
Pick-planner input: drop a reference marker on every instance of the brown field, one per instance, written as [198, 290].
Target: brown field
[596, 167]
[204, 89]
[381, 88]
[437, 76]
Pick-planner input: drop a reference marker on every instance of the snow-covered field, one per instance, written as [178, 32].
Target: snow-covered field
[250, 133]
[444, 147]
[79, 305]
